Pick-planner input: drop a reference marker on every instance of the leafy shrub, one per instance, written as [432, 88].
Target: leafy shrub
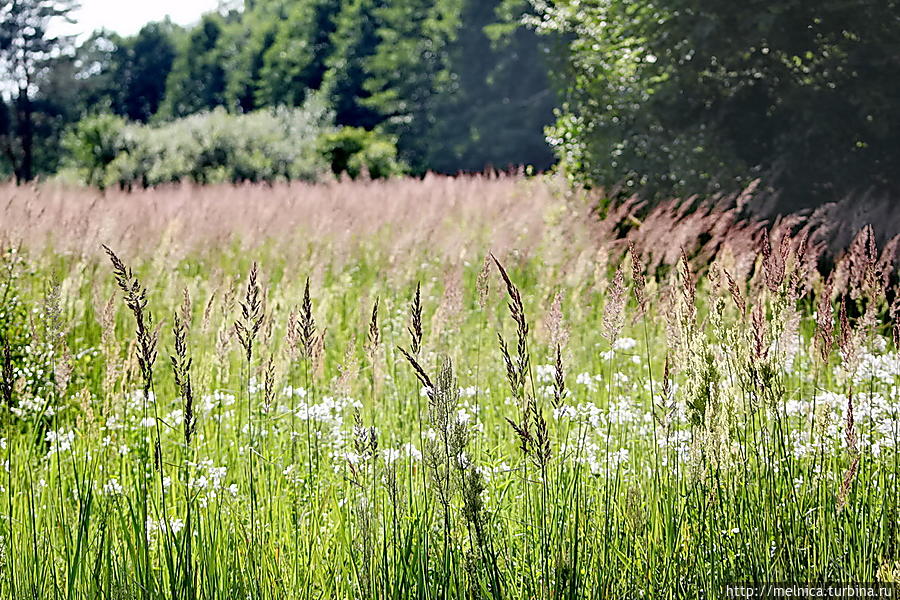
[356, 151]
[93, 144]
[209, 147]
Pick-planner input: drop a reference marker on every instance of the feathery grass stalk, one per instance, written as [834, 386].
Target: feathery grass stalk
[7, 384]
[535, 444]
[246, 329]
[181, 369]
[305, 331]
[415, 322]
[135, 296]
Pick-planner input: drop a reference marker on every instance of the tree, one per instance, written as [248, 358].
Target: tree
[408, 72]
[243, 50]
[354, 40]
[151, 54]
[197, 80]
[460, 84]
[687, 96]
[101, 72]
[26, 46]
[295, 61]
[500, 97]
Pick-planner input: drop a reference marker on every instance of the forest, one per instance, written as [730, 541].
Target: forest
[455, 85]
[671, 97]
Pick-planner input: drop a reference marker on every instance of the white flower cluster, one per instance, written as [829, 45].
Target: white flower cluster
[619, 412]
[408, 450]
[602, 460]
[112, 487]
[876, 416]
[219, 398]
[589, 381]
[31, 406]
[175, 525]
[209, 480]
[136, 403]
[60, 440]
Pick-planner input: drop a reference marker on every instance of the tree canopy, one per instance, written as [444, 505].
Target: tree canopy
[664, 97]
[688, 96]
[26, 49]
[455, 83]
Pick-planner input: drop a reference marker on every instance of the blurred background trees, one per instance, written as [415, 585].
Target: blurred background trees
[451, 85]
[664, 97]
[26, 51]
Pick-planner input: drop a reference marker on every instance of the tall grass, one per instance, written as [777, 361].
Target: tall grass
[336, 422]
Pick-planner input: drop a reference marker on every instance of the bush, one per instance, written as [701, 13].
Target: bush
[209, 147]
[356, 151]
[94, 144]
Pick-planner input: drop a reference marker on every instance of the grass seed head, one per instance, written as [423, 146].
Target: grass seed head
[181, 368]
[824, 336]
[614, 311]
[373, 336]
[483, 281]
[736, 296]
[415, 321]
[638, 279]
[135, 296]
[248, 326]
[8, 382]
[559, 380]
[306, 326]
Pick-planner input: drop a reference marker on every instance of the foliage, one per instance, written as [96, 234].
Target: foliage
[456, 82]
[197, 80]
[356, 152]
[354, 41]
[93, 144]
[26, 47]
[294, 64]
[500, 80]
[210, 147]
[683, 96]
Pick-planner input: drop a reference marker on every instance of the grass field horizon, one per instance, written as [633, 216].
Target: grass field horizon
[472, 387]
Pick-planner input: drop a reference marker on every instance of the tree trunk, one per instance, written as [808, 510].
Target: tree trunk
[25, 172]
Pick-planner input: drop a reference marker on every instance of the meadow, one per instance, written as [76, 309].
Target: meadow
[474, 387]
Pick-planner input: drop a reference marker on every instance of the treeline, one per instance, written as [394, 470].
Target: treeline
[457, 85]
[658, 98]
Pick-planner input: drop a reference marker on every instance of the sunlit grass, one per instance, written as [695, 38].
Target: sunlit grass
[634, 433]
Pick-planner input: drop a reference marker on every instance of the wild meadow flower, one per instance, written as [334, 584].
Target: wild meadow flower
[154, 526]
[407, 450]
[624, 344]
[468, 392]
[60, 440]
[565, 411]
[219, 398]
[545, 373]
[297, 392]
[588, 380]
[113, 487]
[33, 406]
